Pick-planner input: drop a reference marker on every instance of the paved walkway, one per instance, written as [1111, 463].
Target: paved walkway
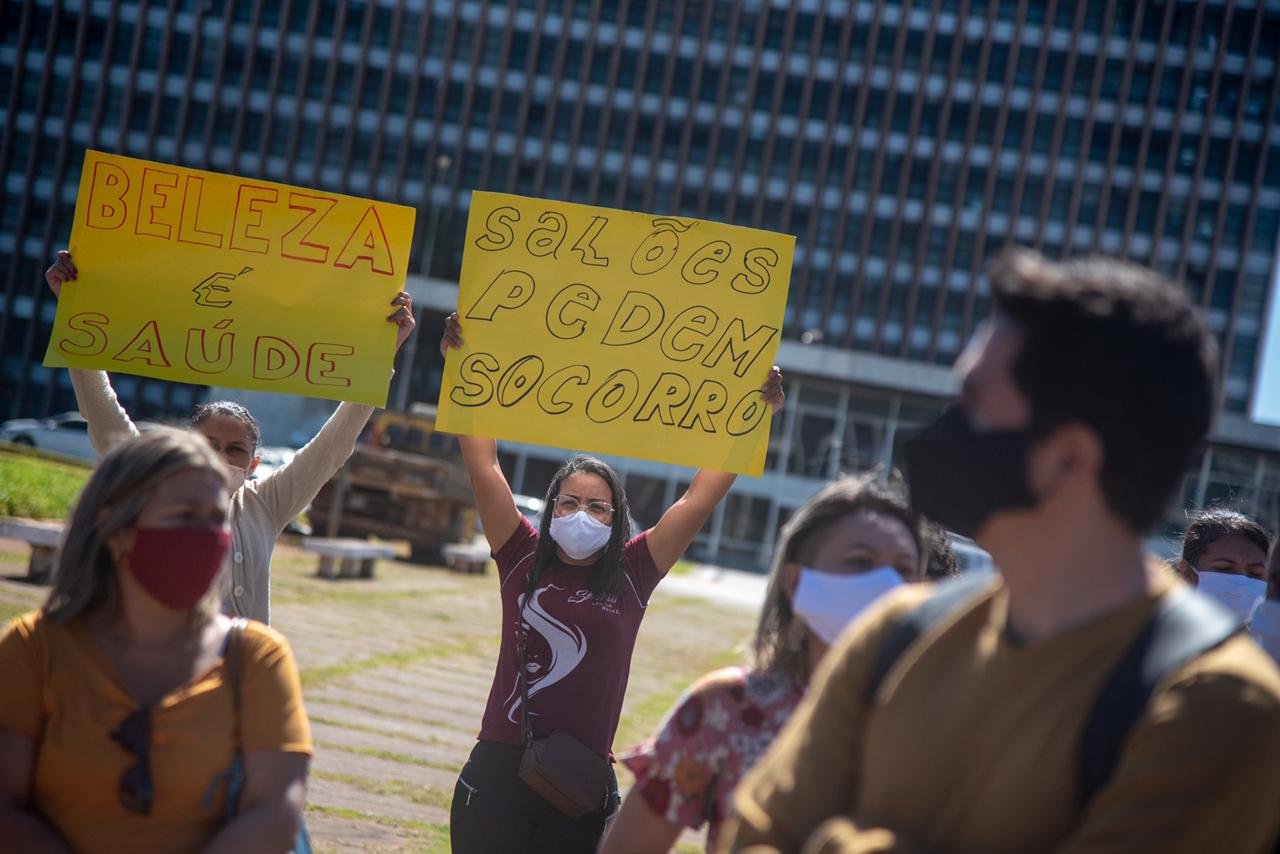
[396, 671]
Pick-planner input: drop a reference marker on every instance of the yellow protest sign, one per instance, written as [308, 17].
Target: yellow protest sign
[212, 279]
[616, 332]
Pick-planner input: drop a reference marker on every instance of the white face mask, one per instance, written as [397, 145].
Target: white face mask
[1239, 594]
[1265, 627]
[829, 601]
[580, 535]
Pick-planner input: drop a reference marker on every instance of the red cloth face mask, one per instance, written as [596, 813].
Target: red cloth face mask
[176, 566]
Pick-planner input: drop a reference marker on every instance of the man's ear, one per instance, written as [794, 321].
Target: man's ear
[1068, 452]
[253, 466]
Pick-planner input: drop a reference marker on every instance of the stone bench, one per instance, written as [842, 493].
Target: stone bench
[467, 557]
[346, 558]
[43, 537]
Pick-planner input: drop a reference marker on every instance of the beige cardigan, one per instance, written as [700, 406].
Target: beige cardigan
[260, 509]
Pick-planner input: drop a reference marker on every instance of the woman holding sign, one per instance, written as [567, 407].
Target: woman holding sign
[573, 593]
[260, 509]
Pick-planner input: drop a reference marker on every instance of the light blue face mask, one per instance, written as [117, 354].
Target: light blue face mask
[1239, 594]
[1265, 627]
[829, 601]
[580, 535]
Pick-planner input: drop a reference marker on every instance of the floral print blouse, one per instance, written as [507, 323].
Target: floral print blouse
[708, 742]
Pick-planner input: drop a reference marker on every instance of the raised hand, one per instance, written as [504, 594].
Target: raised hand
[61, 271]
[452, 338]
[402, 317]
[772, 391]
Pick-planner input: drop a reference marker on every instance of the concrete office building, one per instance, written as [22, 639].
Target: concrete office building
[901, 142]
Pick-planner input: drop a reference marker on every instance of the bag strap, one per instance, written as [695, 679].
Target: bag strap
[1185, 626]
[522, 679]
[951, 596]
[233, 661]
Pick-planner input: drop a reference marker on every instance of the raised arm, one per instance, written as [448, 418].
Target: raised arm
[494, 501]
[672, 534]
[288, 490]
[109, 424]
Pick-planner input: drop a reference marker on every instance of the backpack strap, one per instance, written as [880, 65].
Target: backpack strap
[1185, 626]
[949, 597]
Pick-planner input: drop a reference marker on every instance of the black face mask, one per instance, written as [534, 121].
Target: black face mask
[960, 477]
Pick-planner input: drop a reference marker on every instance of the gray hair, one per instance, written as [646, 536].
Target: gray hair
[84, 576]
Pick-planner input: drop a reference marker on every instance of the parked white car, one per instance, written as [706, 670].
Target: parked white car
[67, 433]
[530, 508]
[271, 458]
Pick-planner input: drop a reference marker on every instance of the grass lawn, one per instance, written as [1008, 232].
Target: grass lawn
[36, 487]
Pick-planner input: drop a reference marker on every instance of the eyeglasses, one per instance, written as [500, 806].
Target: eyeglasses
[134, 735]
[567, 505]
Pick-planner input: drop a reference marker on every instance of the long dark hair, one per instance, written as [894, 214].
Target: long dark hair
[607, 578]
[780, 644]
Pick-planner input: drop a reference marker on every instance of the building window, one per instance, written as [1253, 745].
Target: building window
[370, 88]
[1082, 80]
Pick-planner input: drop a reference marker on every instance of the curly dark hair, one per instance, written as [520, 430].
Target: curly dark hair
[1121, 349]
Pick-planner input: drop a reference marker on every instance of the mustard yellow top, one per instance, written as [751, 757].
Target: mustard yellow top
[61, 690]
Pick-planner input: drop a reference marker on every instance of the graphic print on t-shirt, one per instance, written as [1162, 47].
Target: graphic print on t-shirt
[579, 643]
[566, 645]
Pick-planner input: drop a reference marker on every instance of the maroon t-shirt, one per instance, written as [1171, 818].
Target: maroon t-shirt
[578, 645]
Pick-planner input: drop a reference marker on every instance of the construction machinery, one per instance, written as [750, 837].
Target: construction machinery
[405, 482]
